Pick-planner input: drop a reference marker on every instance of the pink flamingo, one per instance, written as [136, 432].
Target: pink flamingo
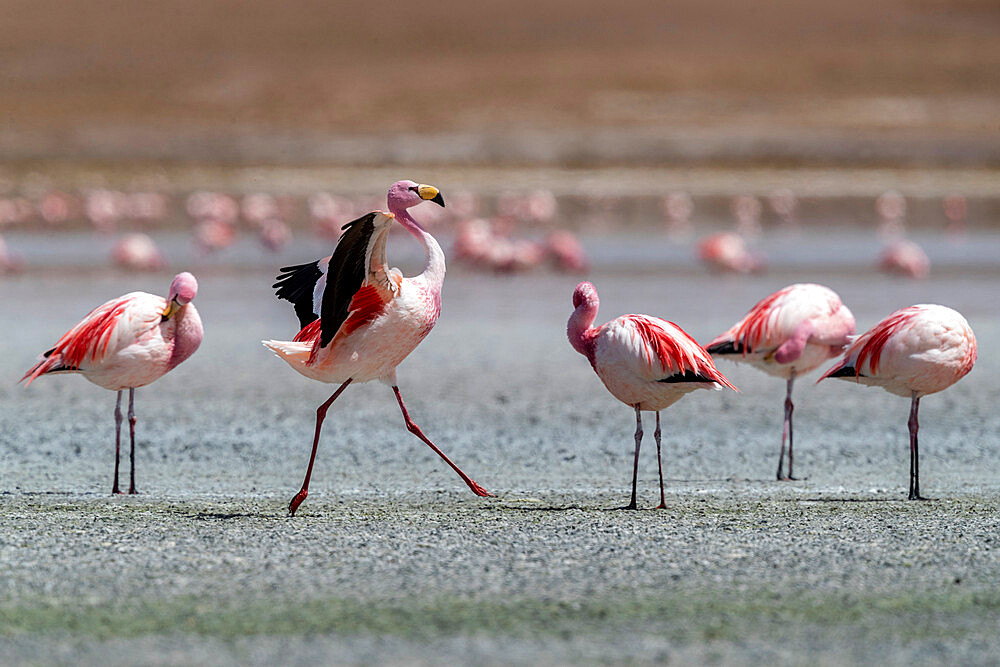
[359, 318]
[786, 334]
[728, 252]
[645, 362]
[915, 351]
[128, 342]
[11, 261]
[566, 251]
[137, 252]
[903, 257]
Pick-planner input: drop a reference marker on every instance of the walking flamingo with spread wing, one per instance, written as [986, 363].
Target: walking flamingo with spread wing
[915, 351]
[359, 318]
[786, 334]
[645, 362]
[128, 343]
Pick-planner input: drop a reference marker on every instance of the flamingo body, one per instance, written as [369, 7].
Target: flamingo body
[918, 350]
[127, 343]
[786, 334]
[914, 352]
[791, 331]
[359, 319]
[645, 362]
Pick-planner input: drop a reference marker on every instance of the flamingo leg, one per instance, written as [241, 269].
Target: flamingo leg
[659, 462]
[635, 462]
[320, 416]
[118, 440]
[131, 433]
[415, 430]
[914, 454]
[786, 432]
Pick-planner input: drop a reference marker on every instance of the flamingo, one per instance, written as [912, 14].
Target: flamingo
[728, 252]
[359, 318]
[786, 334]
[137, 252]
[645, 362]
[915, 351]
[903, 257]
[128, 343]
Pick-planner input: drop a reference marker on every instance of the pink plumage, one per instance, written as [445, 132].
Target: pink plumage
[127, 343]
[358, 318]
[645, 362]
[786, 334]
[914, 352]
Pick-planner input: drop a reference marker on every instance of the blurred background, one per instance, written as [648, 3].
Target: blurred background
[218, 128]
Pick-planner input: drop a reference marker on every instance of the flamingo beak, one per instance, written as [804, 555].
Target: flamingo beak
[171, 308]
[430, 193]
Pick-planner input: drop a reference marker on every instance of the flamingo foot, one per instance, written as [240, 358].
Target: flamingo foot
[480, 491]
[630, 506]
[116, 492]
[296, 501]
[133, 492]
[661, 506]
[917, 496]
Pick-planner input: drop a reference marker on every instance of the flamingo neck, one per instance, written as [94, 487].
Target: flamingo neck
[434, 267]
[188, 333]
[580, 331]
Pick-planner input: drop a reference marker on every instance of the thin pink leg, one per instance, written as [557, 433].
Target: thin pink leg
[635, 463]
[415, 430]
[118, 440]
[131, 433]
[914, 426]
[659, 463]
[320, 416]
[786, 432]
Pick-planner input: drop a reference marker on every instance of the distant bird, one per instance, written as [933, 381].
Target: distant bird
[359, 318]
[728, 252]
[137, 252]
[677, 208]
[903, 257]
[214, 234]
[566, 252]
[956, 209]
[787, 334]
[11, 261]
[915, 351]
[645, 362]
[274, 234]
[128, 343]
[891, 209]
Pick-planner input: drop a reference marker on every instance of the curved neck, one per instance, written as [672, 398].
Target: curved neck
[579, 330]
[434, 267]
[187, 334]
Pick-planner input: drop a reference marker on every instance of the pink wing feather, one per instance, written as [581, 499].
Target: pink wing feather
[675, 351]
[88, 340]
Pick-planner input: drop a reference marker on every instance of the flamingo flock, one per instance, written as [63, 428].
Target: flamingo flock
[359, 319]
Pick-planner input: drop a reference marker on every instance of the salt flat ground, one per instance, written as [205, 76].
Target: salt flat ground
[391, 560]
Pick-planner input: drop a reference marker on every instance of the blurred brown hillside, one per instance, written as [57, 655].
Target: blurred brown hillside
[517, 81]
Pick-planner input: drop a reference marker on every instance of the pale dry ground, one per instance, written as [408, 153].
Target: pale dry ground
[519, 81]
[392, 560]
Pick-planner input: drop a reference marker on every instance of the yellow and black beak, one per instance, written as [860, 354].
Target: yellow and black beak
[172, 308]
[430, 193]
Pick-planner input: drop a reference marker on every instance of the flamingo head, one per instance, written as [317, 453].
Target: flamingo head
[585, 293]
[183, 289]
[406, 194]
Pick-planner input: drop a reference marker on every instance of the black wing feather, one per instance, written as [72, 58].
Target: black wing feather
[845, 372]
[727, 347]
[686, 376]
[345, 275]
[296, 284]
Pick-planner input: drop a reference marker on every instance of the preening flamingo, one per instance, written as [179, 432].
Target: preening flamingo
[915, 351]
[903, 257]
[728, 252]
[359, 318]
[786, 334]
[645, 362]
[128, 343]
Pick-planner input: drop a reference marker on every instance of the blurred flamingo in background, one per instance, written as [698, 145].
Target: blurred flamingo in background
[566, 252]
[214, 234]
[728, 252]
[785, 205]
[747, 210]
[359, 318]
[274, 234]
[787, 334]
[56, 207]
[137, 252]
[11, 261]
[903, 257]
[128, 343]
[645, 362]
[258, 207]
[914, 352]
[956, 210]
[677, 208]
[891, 209]
[328, 214]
